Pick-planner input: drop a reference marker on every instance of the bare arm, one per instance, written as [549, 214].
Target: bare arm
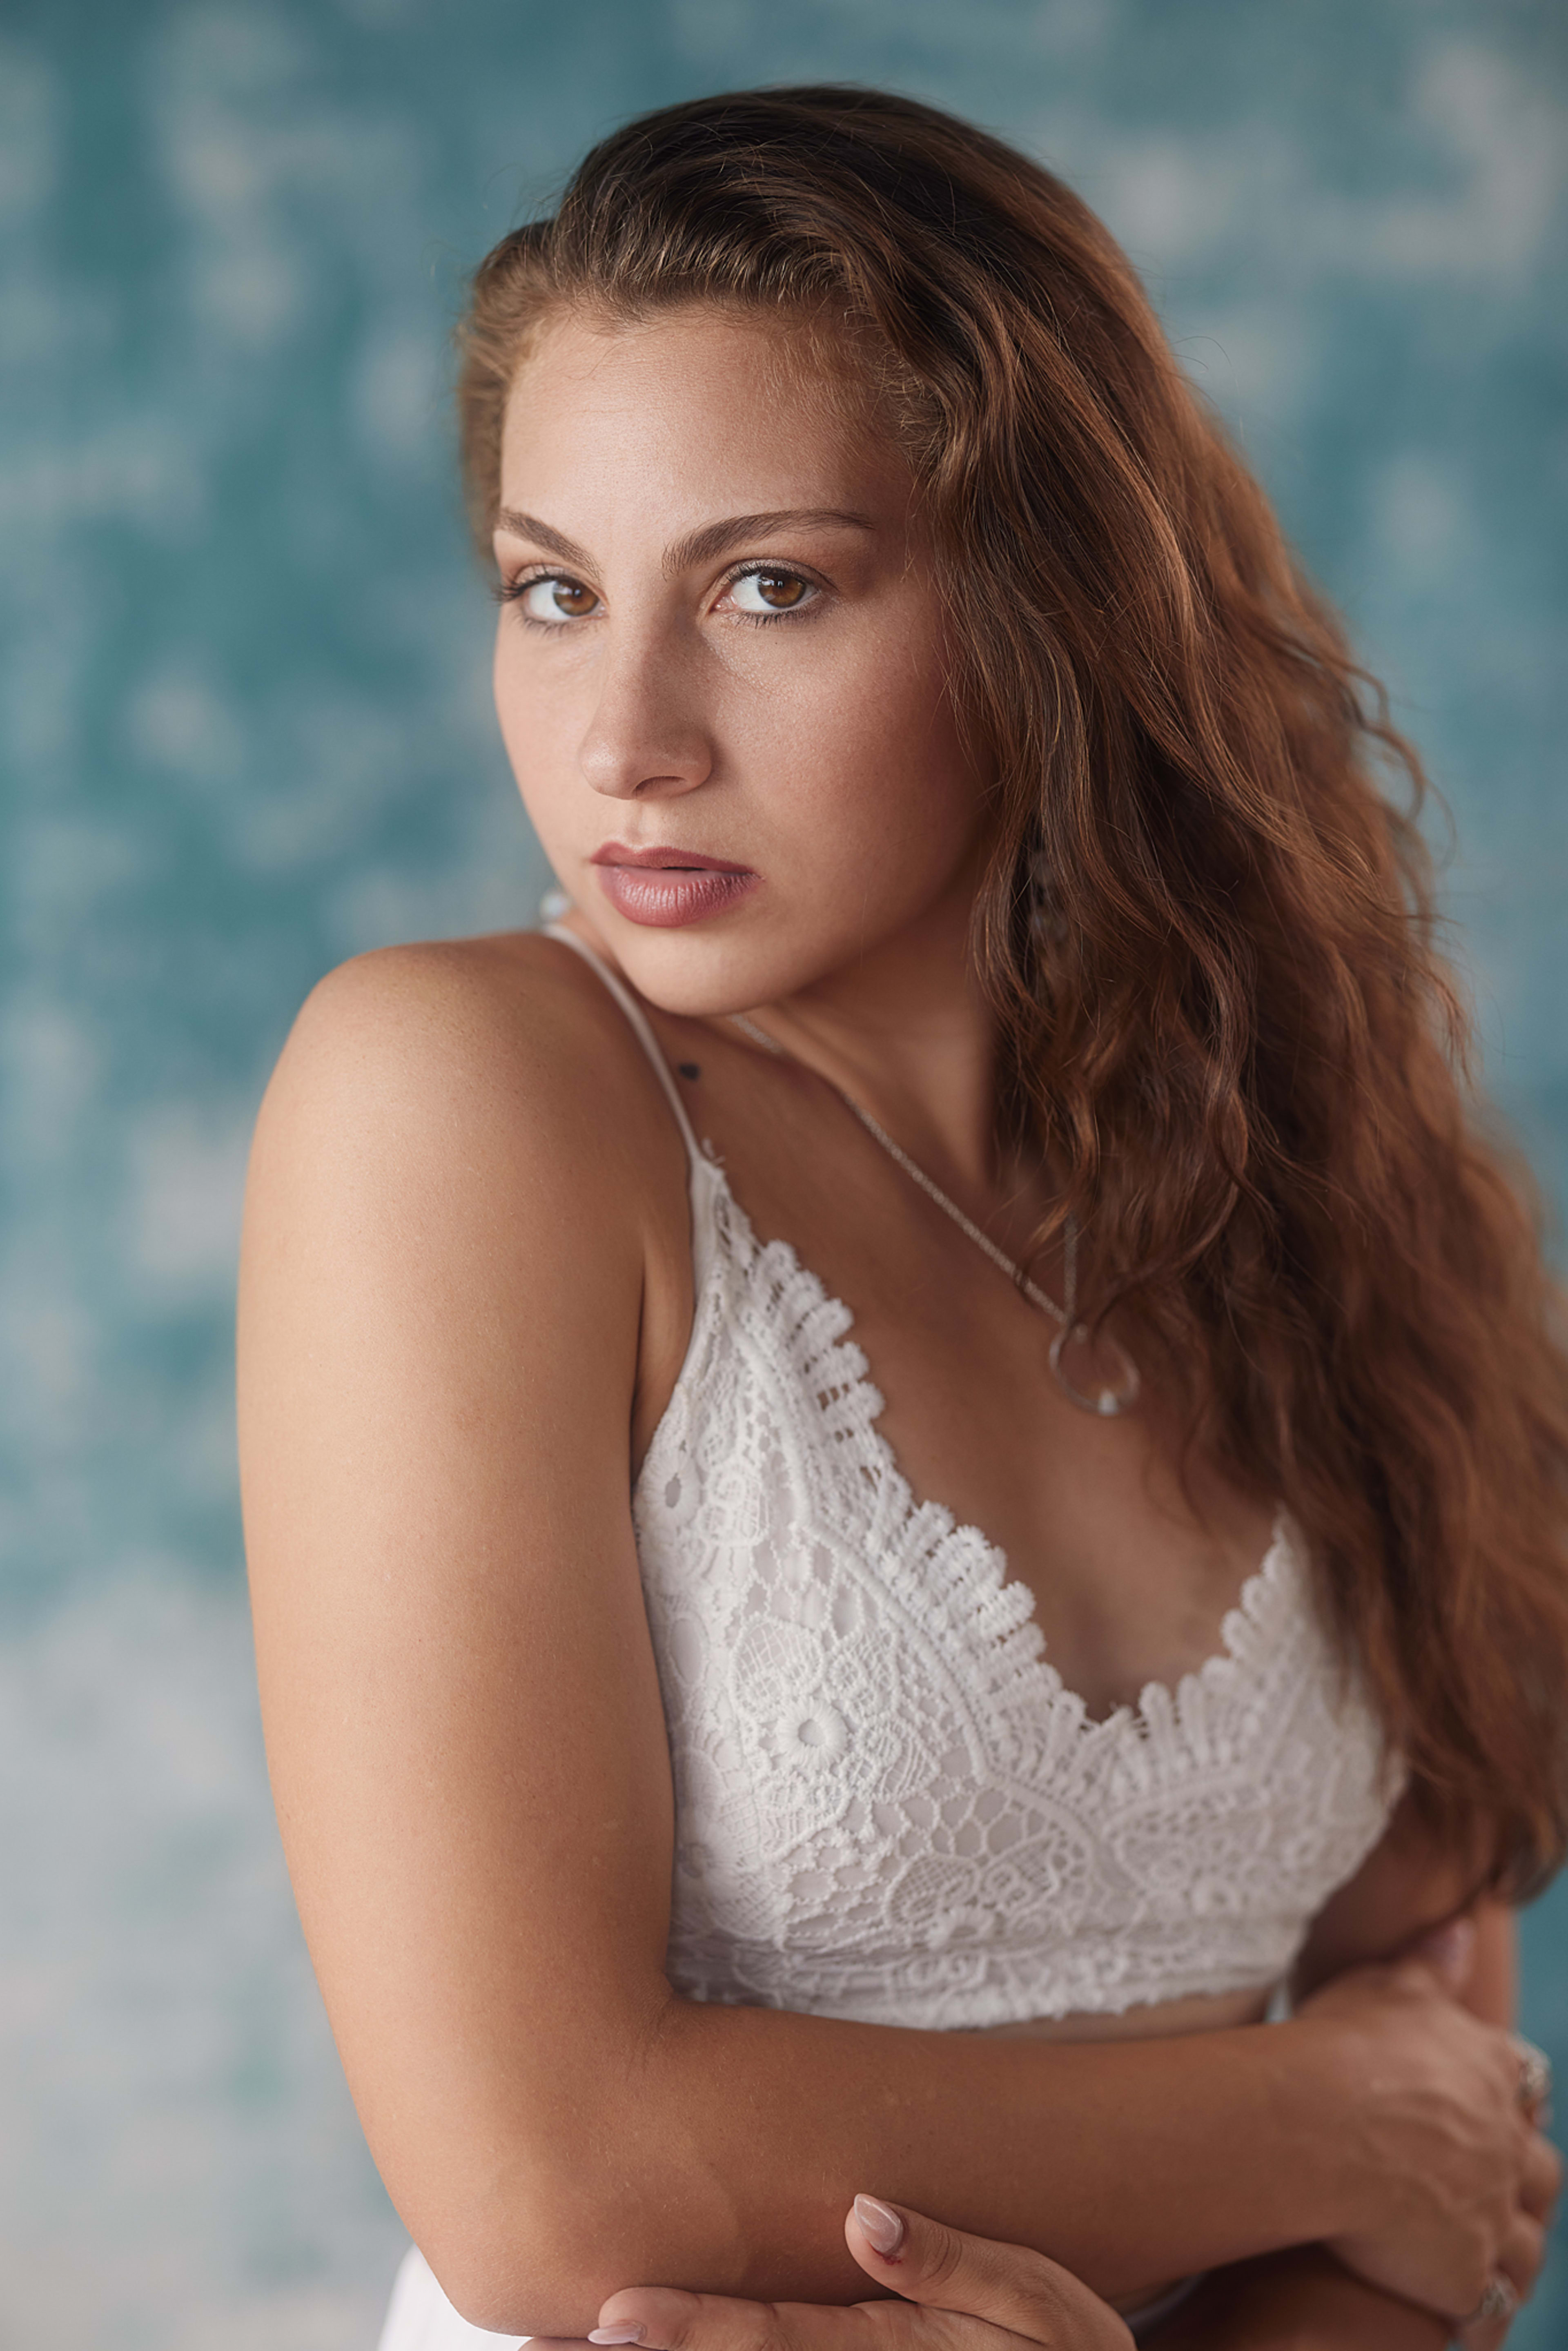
[445, 1281]
[1303, 2297]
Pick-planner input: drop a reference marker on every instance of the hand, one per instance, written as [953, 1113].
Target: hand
[956, 2293]
[1461, 2181]
[1487, 2329]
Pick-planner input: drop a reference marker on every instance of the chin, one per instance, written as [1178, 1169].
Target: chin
[725, 964]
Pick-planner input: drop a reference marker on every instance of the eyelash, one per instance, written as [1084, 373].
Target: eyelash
[513, 590]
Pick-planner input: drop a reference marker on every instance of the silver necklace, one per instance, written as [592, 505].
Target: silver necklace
[1107, 1402]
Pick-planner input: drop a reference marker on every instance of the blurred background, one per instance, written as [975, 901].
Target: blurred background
[246, 733]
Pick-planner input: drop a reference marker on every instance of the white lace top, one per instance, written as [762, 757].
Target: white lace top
[887, 1805]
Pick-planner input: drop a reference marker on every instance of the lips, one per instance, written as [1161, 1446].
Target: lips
[665, 888]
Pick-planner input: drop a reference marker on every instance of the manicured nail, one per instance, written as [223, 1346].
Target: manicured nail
[881, 2226]
[616, 2334]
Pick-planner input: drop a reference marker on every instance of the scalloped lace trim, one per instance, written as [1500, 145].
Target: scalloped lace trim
[953, 1565]
[888, 1802]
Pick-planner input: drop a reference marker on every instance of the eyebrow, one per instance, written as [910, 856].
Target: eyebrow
[715, 538]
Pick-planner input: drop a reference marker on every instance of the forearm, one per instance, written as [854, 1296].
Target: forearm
[1297, 2301]
[741, 2134]
[1301, 2299]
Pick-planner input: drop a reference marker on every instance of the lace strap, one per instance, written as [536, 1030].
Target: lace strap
[642, 1028]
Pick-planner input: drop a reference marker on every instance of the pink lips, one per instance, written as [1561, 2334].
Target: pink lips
[665, 888]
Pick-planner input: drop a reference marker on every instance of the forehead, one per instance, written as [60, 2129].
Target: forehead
[733, 407]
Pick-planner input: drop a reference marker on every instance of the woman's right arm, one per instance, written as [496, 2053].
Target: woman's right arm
[449, 1231]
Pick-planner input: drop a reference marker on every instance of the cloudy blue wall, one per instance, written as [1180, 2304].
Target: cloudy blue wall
[245, 734]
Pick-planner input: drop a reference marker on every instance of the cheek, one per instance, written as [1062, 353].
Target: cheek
[507, 686]
[879, 773]
[536, 719]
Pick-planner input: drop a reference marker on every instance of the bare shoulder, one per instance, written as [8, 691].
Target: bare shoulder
[461, 1053]
[464, 1189]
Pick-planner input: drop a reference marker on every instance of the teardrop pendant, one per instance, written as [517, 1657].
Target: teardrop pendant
[1108, 1403]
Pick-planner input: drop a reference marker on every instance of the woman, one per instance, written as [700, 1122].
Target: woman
[980, 925]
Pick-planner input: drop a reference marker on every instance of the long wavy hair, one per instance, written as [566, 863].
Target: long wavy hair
[1207, 928]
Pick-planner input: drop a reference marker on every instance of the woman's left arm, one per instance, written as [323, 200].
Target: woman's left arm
[1303, 2300]
[995, 2297]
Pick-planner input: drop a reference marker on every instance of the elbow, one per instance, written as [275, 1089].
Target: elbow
[528, 2268]
[543, 2263]
[496, 2298]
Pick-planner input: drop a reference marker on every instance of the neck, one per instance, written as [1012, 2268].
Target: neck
[905, 1030]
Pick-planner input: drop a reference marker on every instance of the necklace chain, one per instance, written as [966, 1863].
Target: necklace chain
[1105, 1401]
[1065, 1314]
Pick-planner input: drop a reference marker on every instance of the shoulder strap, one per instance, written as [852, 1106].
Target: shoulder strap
[641, 1028]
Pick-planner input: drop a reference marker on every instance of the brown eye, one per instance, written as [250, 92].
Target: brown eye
[570, 597]
[769, 592]
[553, 599]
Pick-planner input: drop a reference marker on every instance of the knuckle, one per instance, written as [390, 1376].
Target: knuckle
[699, 2326]
[907, 2327]
[1541, 2177]
[943, 2257]
[707, 2323]
[886, 2321]
[1040, 2292]
[768, 2328]
[941, 2330]
[1526, 2260]
[1472, 2275]
[689, 2326]
[1026, 2294]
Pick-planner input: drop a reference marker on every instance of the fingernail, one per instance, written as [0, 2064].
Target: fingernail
[881, 2226]
[616, 2334]
[1450, 1949]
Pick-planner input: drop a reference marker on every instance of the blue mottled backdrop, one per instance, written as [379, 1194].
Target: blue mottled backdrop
[245, 734]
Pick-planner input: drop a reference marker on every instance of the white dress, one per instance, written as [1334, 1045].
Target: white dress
[887, 1806]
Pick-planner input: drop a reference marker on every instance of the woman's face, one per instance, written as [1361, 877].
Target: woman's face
[720, 665]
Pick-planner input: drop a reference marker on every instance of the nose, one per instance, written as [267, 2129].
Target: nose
[647, 738]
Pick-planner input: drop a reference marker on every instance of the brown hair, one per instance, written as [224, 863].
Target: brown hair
[1208, 933]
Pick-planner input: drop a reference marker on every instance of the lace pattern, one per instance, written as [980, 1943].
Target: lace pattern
[888, 1805]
